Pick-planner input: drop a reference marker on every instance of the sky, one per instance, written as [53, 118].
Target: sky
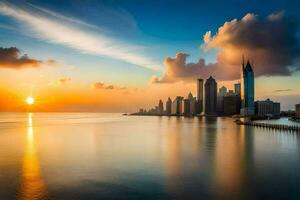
[119, 56]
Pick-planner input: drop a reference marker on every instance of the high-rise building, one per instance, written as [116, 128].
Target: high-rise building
[193, 104]
[210, 96]
[267, 108]
[200, 89]
[297, 108]
[237, 88]
[222, 92]
[160, 107]
[169, 107]
[199, 107]
[177, 106]
[247, 89]
[186, 107]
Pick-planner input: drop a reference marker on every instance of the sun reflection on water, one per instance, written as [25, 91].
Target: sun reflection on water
[32, 184]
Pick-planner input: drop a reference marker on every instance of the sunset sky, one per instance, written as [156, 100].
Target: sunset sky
[118, 56]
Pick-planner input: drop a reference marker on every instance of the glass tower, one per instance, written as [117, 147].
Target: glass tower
[247, 90]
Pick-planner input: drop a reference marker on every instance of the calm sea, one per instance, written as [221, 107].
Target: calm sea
[88, 156]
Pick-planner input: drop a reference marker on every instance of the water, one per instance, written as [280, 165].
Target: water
[82, 156]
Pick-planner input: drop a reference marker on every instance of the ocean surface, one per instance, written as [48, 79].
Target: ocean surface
[88, 156]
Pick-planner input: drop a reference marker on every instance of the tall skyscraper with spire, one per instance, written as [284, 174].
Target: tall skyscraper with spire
[247, 89]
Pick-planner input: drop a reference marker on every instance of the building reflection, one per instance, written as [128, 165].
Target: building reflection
[209, 151]
[233, 156]
[32, 184]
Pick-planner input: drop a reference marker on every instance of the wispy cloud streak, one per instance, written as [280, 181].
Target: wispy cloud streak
[56, 28]
[283, 90]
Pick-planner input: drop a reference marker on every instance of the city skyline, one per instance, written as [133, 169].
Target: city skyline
[90, 56]
[213, 101]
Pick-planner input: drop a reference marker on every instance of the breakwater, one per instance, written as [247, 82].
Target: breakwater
[270, 126]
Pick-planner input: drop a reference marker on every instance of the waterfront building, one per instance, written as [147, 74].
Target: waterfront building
[160, 107]
[297, 108]
[177, 106]
[247, 89]
[222, 92]
[193, 104]
[237, 88]
[169, 106]
[267, 108]
[142, 110]
[231, 104]
[220, 106]
[210, 96]
[199, 108]
[186, 107]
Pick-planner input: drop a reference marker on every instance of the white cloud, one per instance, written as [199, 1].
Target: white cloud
[55, 28]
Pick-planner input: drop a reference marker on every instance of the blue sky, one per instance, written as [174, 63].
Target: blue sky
[163, 28]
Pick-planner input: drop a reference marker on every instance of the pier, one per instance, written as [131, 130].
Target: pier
[270, 126]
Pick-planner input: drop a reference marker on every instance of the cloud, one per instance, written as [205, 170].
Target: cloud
[64, 80]
[283, 90]
[55, 28]
[110, 87]
[60, 81]
[99, 85]
[103, 86]
[11, 58]
[177, 69]
[271, 44]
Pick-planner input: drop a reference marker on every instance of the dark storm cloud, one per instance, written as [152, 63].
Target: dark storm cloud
[11, 58]
[271, 44]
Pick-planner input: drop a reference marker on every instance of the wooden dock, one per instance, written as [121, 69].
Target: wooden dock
[270, 126]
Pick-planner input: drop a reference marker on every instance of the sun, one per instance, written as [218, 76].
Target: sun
[30, 100]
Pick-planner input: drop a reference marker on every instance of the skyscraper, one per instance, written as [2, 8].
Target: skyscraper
[200, 89]
[237, 88]
[160, 107]
[210, 96]
[199, 107]
[169, 106]
[177, 106]
[193, 104]
[247, 89]
[186, 107]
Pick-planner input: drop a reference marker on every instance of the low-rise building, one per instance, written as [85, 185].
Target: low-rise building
[231, 104]
[297, 108]
[267, 108]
